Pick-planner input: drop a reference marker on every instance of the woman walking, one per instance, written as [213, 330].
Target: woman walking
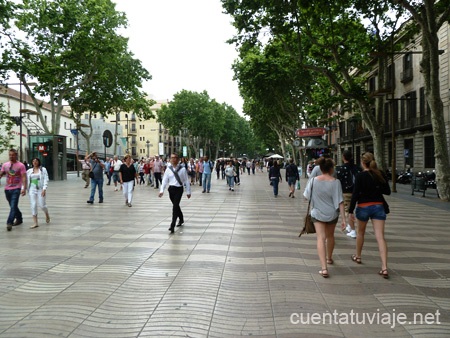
[370, 186]
[37, 177]
[325, 193]
[127, 174]
[230, 173]
[274, 177]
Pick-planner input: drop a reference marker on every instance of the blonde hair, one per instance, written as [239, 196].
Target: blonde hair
[369, 161]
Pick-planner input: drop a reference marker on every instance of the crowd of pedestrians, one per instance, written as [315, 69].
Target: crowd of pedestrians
[353, 193]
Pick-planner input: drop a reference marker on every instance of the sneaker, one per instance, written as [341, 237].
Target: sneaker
[348, 228]
[232, 189]
[126, 202]
[9, 226]
[90, 202]
[129, 204]
[115, 189]
[352, 234]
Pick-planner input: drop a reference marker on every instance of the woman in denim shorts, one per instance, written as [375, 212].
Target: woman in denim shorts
[370, 186]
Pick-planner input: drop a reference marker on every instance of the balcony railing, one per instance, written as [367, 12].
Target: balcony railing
[406, 75]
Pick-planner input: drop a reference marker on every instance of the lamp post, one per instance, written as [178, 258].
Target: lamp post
[126, 116]
[353, 121]
[147, 144]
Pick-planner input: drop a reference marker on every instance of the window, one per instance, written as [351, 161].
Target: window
[407, 74]
[408, 152]
[372, 84]
[429, 152]
[86, 116]
[387, 119]
[411, 107]
[65, 125]
[390, 78]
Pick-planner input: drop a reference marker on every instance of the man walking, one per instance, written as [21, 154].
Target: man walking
[116, 164]
[85, 167]
[97, 169]
[346, 175]
[292, 176]
[16, 185]
[207, 171]
[157, 170]
[175, 177]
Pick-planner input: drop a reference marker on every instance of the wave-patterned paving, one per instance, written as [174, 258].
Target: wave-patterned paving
[237, 268]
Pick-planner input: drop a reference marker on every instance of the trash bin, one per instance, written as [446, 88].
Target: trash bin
[418, 184]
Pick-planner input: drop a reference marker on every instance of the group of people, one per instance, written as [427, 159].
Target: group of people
[19, 181]
[331, 197]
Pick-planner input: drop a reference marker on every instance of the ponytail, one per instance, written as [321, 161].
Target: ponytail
[369, 160]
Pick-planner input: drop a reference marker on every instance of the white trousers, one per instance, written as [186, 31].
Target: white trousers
[36, 199]
[127, 189]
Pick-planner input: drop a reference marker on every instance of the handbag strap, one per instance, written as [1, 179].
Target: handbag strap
[310, 195]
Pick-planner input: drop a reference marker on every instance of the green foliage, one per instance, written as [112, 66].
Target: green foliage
[207, 123]
[6, 124]
[73, 49]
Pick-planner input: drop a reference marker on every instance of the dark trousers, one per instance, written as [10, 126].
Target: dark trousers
[12, 196]
[175, 194]
[158, 179]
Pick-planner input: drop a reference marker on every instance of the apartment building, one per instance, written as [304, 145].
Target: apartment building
[405, 112]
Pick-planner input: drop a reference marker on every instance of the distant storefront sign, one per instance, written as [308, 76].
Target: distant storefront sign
[310, 132]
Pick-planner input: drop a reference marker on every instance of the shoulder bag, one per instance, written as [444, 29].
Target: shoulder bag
[308, 226]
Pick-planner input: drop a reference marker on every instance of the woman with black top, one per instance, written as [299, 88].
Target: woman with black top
[370, 186]
[275, 177]
[127, 174]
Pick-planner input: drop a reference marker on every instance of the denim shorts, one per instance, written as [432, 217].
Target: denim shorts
[370, 212]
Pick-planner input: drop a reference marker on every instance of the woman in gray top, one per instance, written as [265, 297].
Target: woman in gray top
[325, 193]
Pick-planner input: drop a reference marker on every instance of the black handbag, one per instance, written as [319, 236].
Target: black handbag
[308, 225]
[91, 173]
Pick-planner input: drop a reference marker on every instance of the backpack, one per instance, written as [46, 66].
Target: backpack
[346, 175]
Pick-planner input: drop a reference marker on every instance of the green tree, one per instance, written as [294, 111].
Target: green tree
[66, 43]
[325, 38]
[115, 87]
[6, 124]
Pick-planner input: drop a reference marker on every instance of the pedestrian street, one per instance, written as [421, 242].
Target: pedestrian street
[236, 268]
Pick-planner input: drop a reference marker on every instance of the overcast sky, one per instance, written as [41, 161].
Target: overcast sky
[182, 43]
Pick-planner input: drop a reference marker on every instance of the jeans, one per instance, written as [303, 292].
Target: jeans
[206, 181]
[275, 182]
[12, 196]
[230, 180]
[94, 183]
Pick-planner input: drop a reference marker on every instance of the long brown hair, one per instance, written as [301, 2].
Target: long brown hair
[369, 160]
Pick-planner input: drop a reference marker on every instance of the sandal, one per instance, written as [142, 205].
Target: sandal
[356, 259]
[330, 261]
[47, 219]
[384, 273]
[324, 273]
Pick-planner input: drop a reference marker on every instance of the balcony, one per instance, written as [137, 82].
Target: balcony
[406, 75]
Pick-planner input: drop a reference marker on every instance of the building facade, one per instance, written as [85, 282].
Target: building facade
[405, 113]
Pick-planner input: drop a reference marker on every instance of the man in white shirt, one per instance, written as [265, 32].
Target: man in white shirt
[116, 164]
[175, 177]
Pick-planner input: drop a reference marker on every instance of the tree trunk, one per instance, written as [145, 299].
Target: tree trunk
[430, 69]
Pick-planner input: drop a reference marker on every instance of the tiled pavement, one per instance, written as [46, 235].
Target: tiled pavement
[237, 268]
